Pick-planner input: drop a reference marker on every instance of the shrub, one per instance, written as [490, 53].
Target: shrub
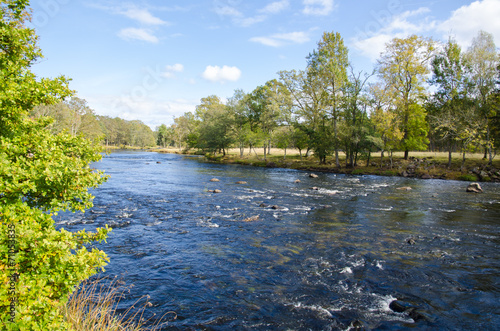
[40, 174]
[468, 177]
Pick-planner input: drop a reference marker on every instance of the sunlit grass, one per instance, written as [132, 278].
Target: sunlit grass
[93, 306]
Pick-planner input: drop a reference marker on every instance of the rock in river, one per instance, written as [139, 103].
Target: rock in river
[474, 188]
[313, 176]
[251, 219]
[214, 180]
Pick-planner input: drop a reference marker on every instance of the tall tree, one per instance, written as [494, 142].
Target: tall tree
[385, 119]
[355, 127]
[404, 67]
[215, 128]
[451, 77]
[238, 109]
[484, 59]
[329, 63]
[309, 101]
[163, 135]
[40, 174]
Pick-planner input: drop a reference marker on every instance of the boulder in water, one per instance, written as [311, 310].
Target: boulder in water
[313, 176]
[214, 180]
[241, 182]
[474, 188]
[252, 218]
[404, 188]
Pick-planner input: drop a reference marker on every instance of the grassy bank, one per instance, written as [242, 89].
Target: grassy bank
[424, 165]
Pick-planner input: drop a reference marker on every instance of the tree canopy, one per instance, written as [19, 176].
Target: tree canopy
[41, 173]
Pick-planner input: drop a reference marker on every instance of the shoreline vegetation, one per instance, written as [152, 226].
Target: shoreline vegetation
[423, 165]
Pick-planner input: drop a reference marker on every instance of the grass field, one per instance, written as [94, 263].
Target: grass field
[420, 164]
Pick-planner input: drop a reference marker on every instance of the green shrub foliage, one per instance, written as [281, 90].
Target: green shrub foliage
[41, 174]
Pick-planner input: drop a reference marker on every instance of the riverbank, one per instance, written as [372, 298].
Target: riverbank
[424, 165]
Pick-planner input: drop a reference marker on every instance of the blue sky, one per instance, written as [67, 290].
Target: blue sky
[154, 60]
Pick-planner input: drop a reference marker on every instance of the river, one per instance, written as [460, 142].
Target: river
[330, 258]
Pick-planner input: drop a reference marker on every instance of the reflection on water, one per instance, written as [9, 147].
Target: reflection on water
[327, 259]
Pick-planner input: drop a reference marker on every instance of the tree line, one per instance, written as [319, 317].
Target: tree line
[421, 95]
[74, 116]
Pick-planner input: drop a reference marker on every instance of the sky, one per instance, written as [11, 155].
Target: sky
[153, 60]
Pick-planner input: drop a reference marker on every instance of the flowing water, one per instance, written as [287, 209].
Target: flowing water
[332, 258]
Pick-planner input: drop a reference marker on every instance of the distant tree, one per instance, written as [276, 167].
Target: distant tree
[449, 103]
[404, 67]
[354, 130]
[309, 103]
[329, 64]
[72, 115]
[484, 60]
[385, 119]
[215, 128]
[163, 135]
[241, 126]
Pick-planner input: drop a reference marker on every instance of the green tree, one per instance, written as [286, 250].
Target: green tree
[448, 105]
[385, 119]
[309, 103]
[484, 60]
[41, 173]
[163, 135]
[329, 63]
[404, 68]
[354, 131]
[215, 128]
[239, 110]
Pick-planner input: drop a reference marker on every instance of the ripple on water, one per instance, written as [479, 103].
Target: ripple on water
[336, 258]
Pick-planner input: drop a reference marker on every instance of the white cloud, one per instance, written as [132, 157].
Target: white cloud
[465, 22]
[281, 39]
[318, 7]
[248, 21]
[218, 74]
[170, 70]
[238, 18]
[371, 42]
[138, 34]
[228, 11]
[152, 111]
[275, 7]
[142, 16]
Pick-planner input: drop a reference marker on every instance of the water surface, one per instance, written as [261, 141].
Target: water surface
[327, 259]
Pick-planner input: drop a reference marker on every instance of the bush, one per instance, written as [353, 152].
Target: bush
[41, 174]
[468, 177]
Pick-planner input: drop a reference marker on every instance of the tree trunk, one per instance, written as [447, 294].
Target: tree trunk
[449, 157]
[406, 154]
[490, 160]
[463, 162]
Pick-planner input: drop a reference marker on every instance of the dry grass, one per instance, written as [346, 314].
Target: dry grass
[93, 306]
